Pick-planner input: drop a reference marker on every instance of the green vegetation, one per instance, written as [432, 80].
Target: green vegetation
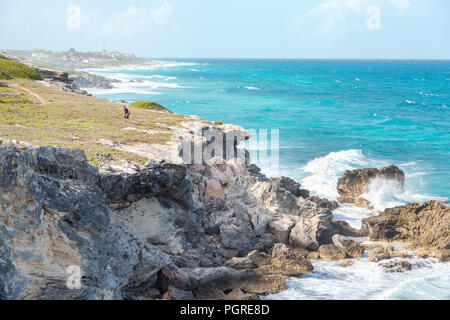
[79, 121]
[219, 123]
[149, 105]
[13, 69]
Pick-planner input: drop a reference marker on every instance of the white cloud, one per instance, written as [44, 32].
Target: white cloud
[135, 18]
[401, 4]
[162, 14]
[331, 18]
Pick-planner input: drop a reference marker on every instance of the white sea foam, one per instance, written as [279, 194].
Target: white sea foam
[352, 214]
[364, 280]
[252, 88]
[323, 173]
[139, 87]
[428, 94]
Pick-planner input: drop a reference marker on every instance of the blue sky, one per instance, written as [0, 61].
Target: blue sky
[233, 28]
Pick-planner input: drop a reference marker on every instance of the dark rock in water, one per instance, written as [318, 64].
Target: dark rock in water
[322, 203]
[332, 252]
[352, 248]
[347, 231]
[426, 226]
[89, 80]
[353, 183]
[380, 253]
[396, 266]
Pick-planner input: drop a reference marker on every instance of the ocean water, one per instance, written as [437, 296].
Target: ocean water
[331, 116]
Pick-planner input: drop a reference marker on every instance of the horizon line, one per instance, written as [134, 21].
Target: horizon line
[372, 59]
[247, 58]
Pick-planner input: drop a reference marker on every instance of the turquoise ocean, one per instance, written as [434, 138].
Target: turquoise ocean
[332, 115]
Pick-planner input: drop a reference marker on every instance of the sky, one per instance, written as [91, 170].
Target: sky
[341, 29]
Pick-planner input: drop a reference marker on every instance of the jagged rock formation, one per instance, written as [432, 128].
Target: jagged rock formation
[353, 183]
[158, 232]
[53, 75]
[60, 79]
[218, 230]
[89, 80]
[426, 227]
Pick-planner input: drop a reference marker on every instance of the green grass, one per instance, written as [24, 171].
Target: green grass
[13, 69]
[78, 121]
[219, 123]
[149, 105]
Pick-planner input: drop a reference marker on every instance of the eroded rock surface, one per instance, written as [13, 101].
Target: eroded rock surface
[158, 232]
[426, 227]
[354, 183]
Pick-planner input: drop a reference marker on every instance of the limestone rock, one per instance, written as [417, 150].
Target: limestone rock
[54, 216]
[240, 263]
[332, 252]
[381, 253]
[214, 190]
[281, 228]
[426, 226]
[177, 294]
[289, 262]
[353, 183]
[237, 238]
[346, 230]
[347, 263]
[396, 266]
[162, 230]
[351, 247]
[305, 233]
[259, 258]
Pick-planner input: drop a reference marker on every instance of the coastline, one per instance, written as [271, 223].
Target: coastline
[209, 188]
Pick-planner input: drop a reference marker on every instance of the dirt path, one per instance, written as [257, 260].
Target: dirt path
[41, 101]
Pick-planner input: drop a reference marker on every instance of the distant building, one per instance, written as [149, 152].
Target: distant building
[72, 53]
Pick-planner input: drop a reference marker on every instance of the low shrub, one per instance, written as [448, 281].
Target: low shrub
[149, 105]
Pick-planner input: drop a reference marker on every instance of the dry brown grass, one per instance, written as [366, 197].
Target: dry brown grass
[77, 121]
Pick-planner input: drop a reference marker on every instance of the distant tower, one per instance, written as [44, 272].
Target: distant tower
[104, 47]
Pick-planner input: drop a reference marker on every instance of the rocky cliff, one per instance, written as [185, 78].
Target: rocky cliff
[165, 230]
[74, 81]
[215, 230]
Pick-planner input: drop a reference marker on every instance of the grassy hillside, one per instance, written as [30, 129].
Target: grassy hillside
[43, 115]
[13, 69]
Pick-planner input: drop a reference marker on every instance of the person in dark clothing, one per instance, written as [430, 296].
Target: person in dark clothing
[126, 114]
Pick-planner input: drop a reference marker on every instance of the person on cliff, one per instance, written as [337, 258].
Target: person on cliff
[126, 114]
